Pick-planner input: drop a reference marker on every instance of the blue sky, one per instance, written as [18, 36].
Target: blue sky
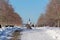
[29, 8]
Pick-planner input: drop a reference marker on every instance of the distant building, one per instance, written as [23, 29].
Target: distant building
[28, 24]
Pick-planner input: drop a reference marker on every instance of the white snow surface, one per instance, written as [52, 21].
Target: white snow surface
[36, 33]
[41, 33]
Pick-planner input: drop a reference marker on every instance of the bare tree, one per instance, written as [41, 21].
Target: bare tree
[8, 15]
[52, 14]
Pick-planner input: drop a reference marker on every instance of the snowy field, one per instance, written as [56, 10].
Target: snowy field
[38, 33]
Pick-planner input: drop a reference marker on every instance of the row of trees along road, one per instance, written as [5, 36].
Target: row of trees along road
[52, 16]
[8, 15]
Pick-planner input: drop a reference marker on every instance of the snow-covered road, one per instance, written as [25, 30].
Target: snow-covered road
[44, 33]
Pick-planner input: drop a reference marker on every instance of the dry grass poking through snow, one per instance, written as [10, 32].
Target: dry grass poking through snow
[16, 35]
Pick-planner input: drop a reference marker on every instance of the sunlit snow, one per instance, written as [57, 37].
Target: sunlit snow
[36, 33]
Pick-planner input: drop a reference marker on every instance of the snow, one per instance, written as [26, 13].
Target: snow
[36, 33]
[7, 32]
[35, 36]
[41, 33]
